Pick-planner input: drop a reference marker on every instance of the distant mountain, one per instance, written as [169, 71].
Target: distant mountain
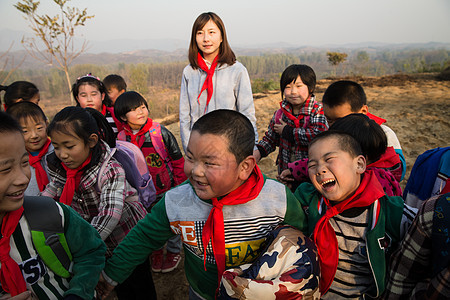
[126, 45]
[131, 51]
[137, 56]
[10, 37]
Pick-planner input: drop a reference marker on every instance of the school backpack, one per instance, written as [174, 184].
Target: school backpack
[136, 171]
[440, 251]
[47, 233]
[157, 143]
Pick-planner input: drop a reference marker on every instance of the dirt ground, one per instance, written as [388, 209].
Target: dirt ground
[415, 107]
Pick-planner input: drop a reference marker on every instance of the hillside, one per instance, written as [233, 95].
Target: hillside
[415, 107]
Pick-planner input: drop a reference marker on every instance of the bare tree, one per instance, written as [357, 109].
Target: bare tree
[7, 62]
[56, 33]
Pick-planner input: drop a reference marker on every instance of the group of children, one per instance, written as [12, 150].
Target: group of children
[339, 171]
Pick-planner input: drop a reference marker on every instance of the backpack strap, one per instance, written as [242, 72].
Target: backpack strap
[47, 232]
[102, 170]
[121, 135]
[158, 143]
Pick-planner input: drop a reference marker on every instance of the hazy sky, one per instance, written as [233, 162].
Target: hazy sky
[250, 22]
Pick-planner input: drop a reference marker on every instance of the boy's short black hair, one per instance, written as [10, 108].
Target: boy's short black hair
[114, 80]
[23, 110]
[347, 143]
[345, 91]
[126, 103]
[367, 132]
[236, 127]
[291, 73]
[9, 124]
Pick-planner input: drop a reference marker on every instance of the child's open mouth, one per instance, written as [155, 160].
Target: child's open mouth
[327, 184]
[201, 184]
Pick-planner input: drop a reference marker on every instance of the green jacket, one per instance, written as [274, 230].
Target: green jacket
[85, 245]
[183, 212]
[391, 226]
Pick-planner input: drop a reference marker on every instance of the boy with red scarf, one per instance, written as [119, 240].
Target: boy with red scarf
[373, 141]
[223, 213]
[34, 128]
[354, 224]
[345, 97]
[23, 273]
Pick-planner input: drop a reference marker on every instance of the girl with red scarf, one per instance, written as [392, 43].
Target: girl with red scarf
[299, 119]
[89, 91]
[82, 141]
[34, 128]
[164, 159]
[213, 79]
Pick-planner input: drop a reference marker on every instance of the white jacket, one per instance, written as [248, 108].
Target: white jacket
[232, 90]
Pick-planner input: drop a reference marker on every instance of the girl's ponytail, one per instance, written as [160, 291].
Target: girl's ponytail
[105, 132]
[18, 90]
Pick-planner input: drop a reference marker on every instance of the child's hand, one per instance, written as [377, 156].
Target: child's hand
[27, 295]
[103, 288]
[279, 127]
[257, 155]
[286, 177]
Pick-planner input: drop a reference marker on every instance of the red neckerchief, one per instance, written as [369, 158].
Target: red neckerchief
[208, 84]
[103, 110]
[446, 188]
[293, 118]
[73, 181]
[389, 159]
[325, 237]
[141, 132]
[214, 226]
[35, 162]
[11, 277]
[377, 120]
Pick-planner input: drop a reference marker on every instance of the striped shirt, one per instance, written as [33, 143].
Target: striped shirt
[39, 278]
[353, 275]
[111, 122]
